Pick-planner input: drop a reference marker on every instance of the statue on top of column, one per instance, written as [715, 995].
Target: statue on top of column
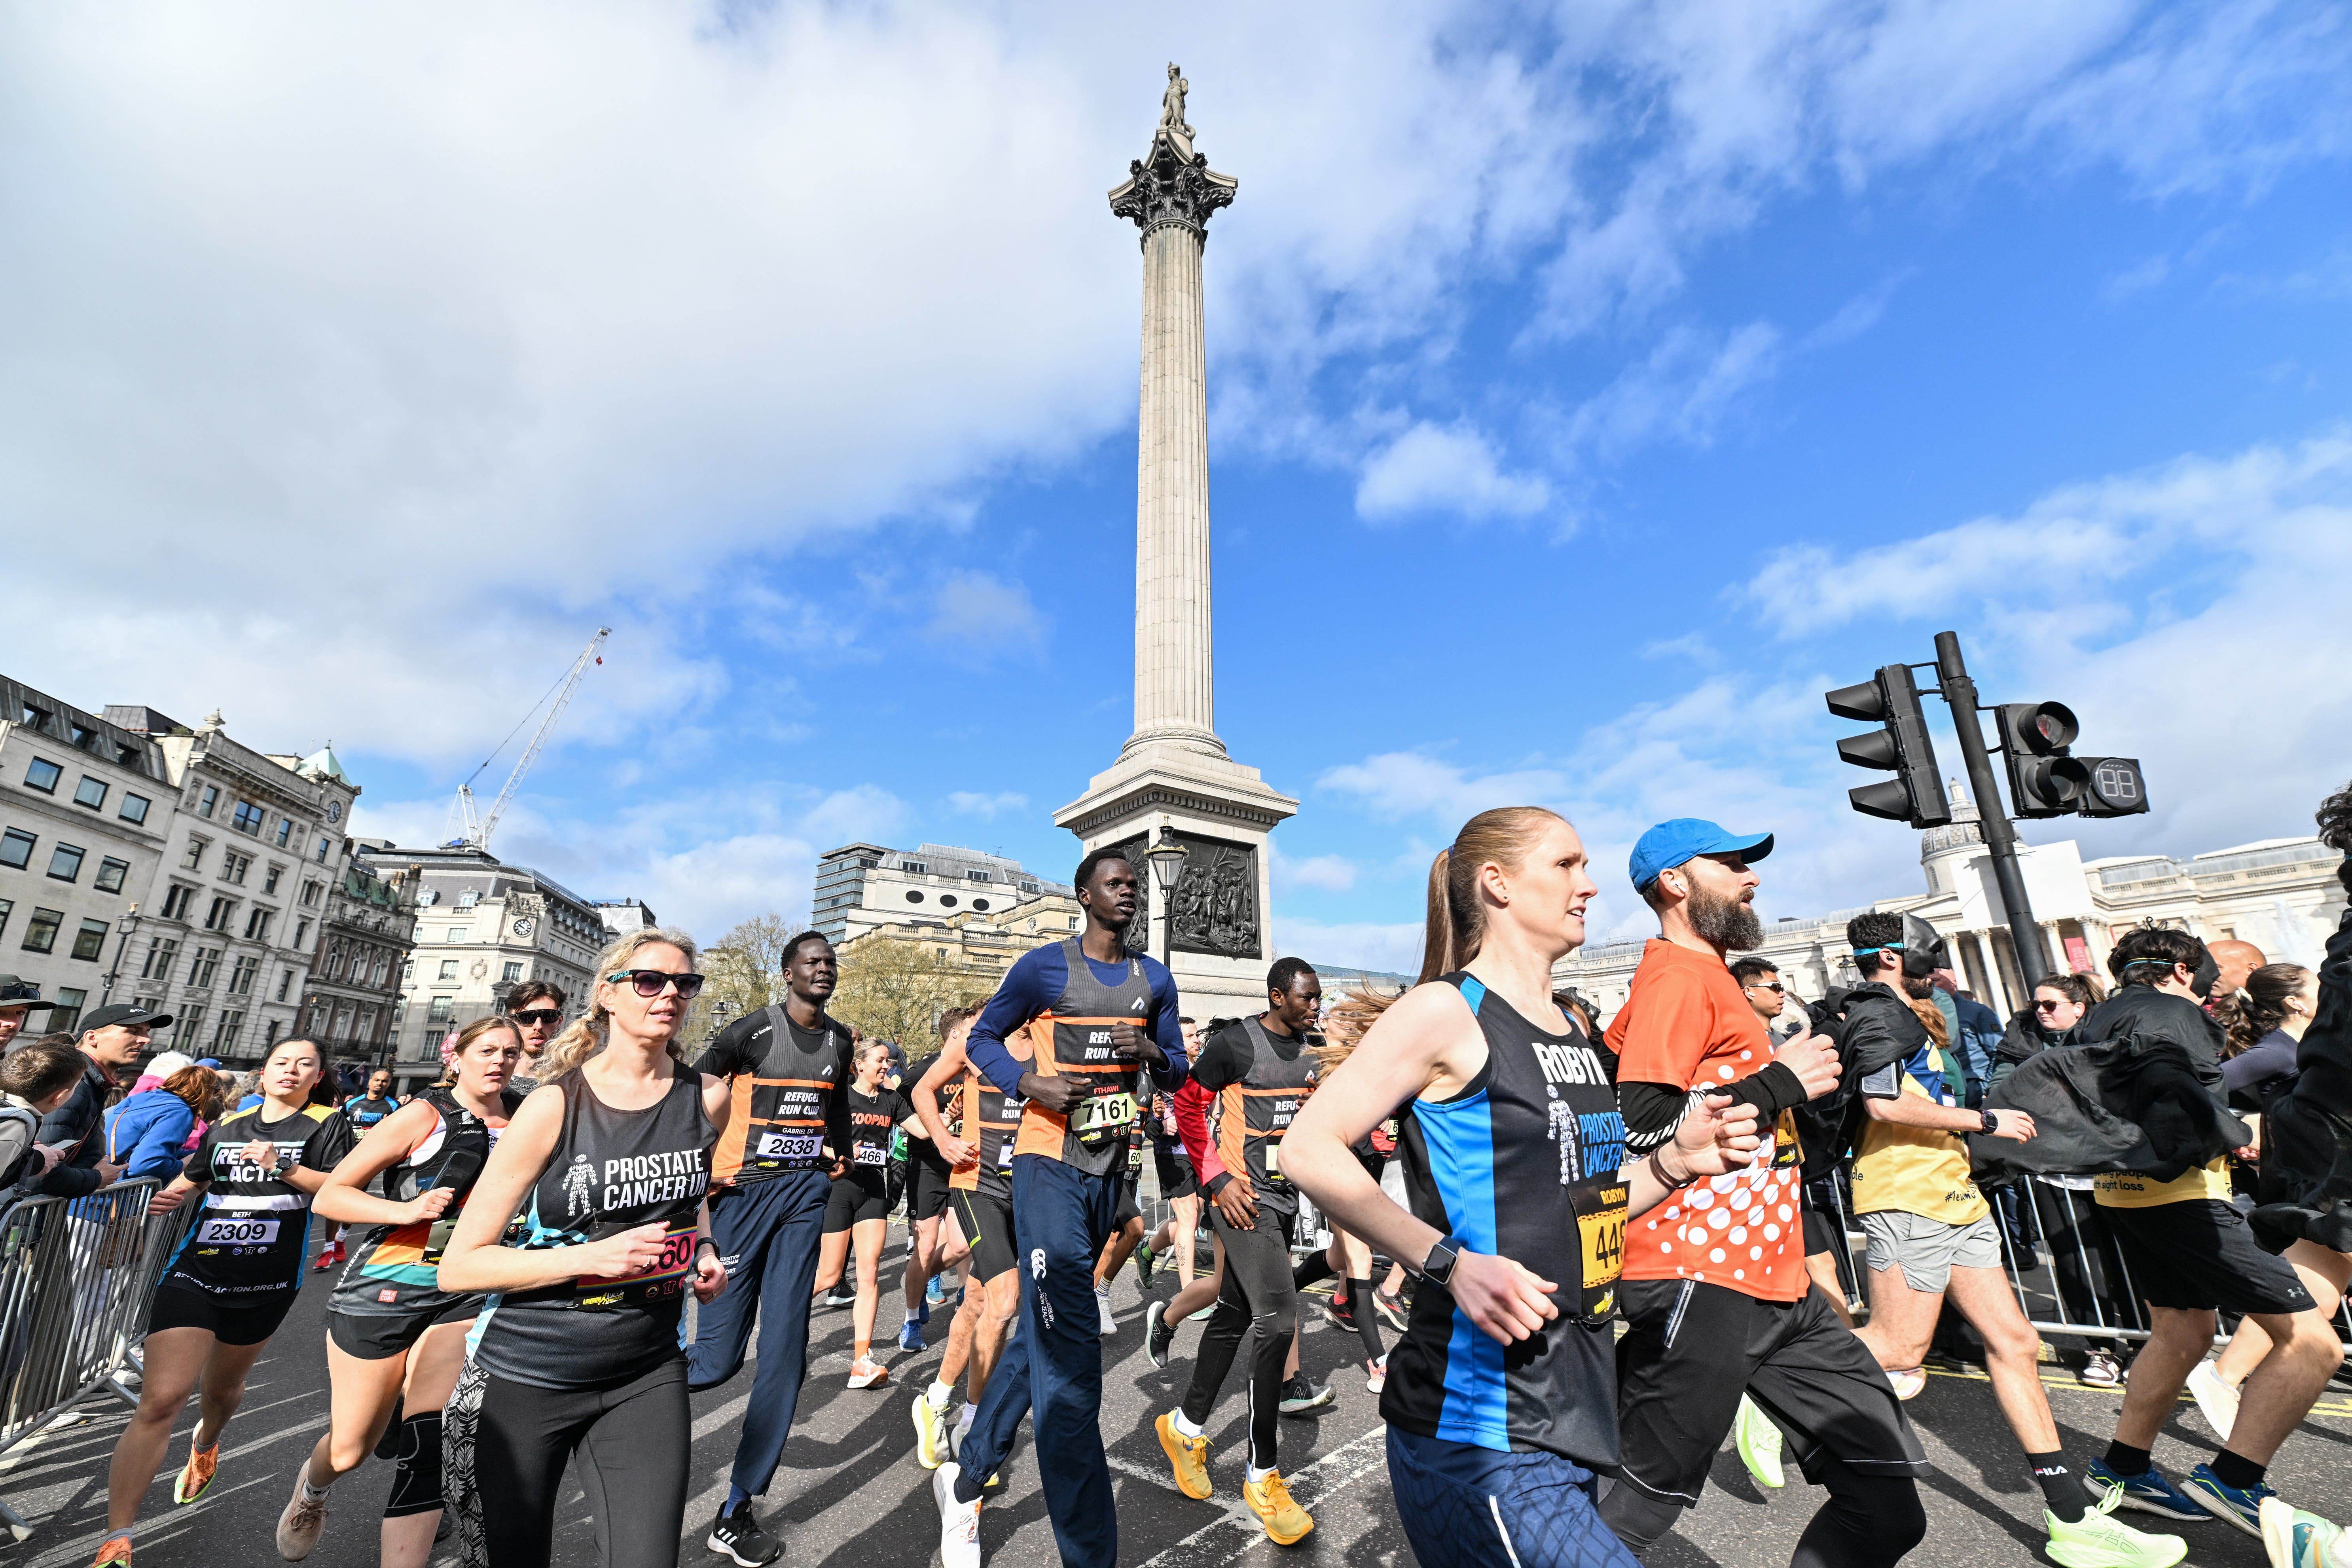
[1171, 112]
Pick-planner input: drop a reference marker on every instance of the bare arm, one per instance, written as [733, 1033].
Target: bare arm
[1917, 1111]
[957, 1152]
[346, 1196]
[474, 1260]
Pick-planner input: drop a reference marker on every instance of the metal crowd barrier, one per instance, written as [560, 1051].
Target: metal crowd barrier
[77, 1278]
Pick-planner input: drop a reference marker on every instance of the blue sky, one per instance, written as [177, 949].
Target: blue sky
[1591, 388]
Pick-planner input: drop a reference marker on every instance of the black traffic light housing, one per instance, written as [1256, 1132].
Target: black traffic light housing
[2046, 779]
[1916, 793]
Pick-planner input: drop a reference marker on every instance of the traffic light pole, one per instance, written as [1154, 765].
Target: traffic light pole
[2000, 840]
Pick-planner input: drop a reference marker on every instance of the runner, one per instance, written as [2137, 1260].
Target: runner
[785, 1067]
[926, 1205]
[362, 1111]
[1717, 1295]
[1348, 1257]
[396, 1341]
[1096, 1015]
[981, 1199]
[857, 1208]
[538, 1008]
[1500, 1401]
[577, 1355]
[2191, 1252]
[1127, 1224]
[1262, 1071]
[1932, 1236]
[1180, 1188]
[228, 1285]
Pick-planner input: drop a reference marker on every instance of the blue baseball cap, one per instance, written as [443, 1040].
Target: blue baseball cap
[1670, 843]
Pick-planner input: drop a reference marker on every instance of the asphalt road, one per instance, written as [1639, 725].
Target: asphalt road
[850, 1495]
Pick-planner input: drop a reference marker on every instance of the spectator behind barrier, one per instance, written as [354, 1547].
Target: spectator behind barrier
[148, 1131]
[112, 1039]
[36, 1079]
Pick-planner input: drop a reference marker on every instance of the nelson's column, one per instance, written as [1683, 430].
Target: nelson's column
[1172, 779]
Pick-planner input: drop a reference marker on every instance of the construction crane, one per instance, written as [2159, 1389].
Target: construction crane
[474, 830]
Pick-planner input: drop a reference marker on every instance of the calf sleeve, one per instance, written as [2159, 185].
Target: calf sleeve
[416, 1477]
[1869, 1522]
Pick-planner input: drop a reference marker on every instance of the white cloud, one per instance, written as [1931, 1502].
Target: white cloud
[1395, 948]
[1324, 873]
[1683, 389]
[1429, 469]
[983, 616]
[964, 803]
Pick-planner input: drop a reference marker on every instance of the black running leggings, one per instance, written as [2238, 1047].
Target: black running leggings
[1359, 1300]
[1868, 1521]
[633, 1442]
[1257, 1295]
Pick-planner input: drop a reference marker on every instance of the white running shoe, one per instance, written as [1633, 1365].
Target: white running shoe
[1102, 1301]
[304, 1520]
[959, 1521]
[2216, 1400]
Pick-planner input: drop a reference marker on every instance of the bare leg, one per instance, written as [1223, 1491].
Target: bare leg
[2178, 1340]
[922, 1261]
[961, 1332]
[1118, 1250]
[868, 1233]
[2011, 1354]
[1202, 1292]
[176, 1360]
[1000, 1301]
[361, 1395]
[1186, 1225]
[2304, 1352]
[1902, 1321]
[434, 1364]
[1823, 1267]
[832, 1260]
[2323, 1272]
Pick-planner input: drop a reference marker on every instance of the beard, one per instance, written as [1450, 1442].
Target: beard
[1918, 990]
[1727, 924]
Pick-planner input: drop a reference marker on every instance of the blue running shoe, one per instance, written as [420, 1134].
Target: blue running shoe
[935, 1294]
[923, 1309]
[2298, 1539]
[2149, 1494]
[2229, 1504]
[910, 1337]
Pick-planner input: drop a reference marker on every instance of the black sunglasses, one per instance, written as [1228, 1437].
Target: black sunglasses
[650, 981]
[1768, 985]
[546, 1017]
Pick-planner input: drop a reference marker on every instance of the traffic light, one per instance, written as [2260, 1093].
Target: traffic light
[1916, 793]
[2046, 779]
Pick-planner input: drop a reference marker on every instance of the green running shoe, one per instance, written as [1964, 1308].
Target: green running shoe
[2098, 1540]
[1759, 1445]
[2295, 1539]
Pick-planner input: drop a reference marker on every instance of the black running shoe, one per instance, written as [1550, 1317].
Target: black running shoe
[1159, 1335]
[1301, 1397]
[738, 1535]
[1389, 1310]
[1340, 1313]
[841, 1295]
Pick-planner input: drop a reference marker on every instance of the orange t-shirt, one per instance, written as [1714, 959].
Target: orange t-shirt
[1686, 1023]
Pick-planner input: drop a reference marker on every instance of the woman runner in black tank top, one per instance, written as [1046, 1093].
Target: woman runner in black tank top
[603, 1173]
[1501, 1398]
[395, 1339]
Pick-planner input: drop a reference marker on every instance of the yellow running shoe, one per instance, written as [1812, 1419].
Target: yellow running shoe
[115, 1553]
[196, 1476]
[1285, 1523]
[1188, 1456]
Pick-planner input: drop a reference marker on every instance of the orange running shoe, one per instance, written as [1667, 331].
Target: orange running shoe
[196, 1476]
[115, 1553]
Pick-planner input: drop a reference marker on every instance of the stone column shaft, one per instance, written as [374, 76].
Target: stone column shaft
[1174, 673]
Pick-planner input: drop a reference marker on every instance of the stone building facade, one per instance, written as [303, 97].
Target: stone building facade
[862, 888]
[365, 941]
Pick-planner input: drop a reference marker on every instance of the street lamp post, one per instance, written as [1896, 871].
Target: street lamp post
[1167, 857]
[126, 925]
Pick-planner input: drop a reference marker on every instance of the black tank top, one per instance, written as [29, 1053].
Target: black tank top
[611, 1171]
[1522, 1164]
[394, 1270]
[1253, 1115]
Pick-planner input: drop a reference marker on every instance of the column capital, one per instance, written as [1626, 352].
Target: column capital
[1171, 187]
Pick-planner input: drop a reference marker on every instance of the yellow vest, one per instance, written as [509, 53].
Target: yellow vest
[1915, 1170]
[2130, 1190]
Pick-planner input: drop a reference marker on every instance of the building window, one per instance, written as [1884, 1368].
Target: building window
[449, 969]
[468, 899]
[976, 876]
[408, 972]
[221, 915]
[981, 904]
[269, 1033]
[270, 882]
[202, 967]
[110, 873]
[89, 942]
[914, 896]
[285, 984]
[65, 863]
[285, 831]
[456, 933]
[947, 900]
[513, 973]
[177, 902]
[134, 808]
[194, 860]
[1029, 887]
[224, 1036]
[1074, 923]
[7, 908]
[234, 867]
[90, 793]
[17, 848]
[917, 867]
[41, 933]
[257, 925]
[324, 841]
[301, 931]
[43, 776]
[243, 974]
[438, 1016]
[207, 800]
[35, 718]
[67, 1012]
[161, 950]
[246, 819]
[310, 894]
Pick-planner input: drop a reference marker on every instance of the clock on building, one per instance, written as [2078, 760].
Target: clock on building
[335, 811]
[525, 926]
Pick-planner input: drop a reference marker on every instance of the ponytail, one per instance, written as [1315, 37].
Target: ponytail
[1455, 927]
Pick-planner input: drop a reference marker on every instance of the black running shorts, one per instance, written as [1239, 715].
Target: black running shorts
[1690, 1348]
[1820, 1233]
[177, 1307]
[1129, 1210]
[378, 1336]
[2201, 1254]
[926, 1188]
[987, 1222]
[863, 1194]
[1177, 1179]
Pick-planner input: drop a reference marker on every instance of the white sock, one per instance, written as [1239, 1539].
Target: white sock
[914, 1317]
[1256, 1475]
[311, 1493]
[1102, 1287]
[939, 1395]
[963, 1422]
[1176, 1419]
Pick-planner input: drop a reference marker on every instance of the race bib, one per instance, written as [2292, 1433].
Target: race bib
[1274, 1159]
[1098, 1120]
[237, 1230]
[790, 1145]
[664, 1278]
[1600, 1206]
[871, 1154]
[1787, 1148]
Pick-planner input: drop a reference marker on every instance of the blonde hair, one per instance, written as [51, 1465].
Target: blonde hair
[585, 1035]
[1456, 923]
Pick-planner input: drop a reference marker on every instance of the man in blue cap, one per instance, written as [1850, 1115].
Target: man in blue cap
[1716, 1294]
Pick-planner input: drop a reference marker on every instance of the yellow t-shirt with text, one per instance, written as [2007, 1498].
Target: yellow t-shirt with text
[1915, 1170]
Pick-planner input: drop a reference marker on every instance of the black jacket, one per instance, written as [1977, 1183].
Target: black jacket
[1871, 1027]
[79, 1124]
[2305, 1183]
[2141, 1092]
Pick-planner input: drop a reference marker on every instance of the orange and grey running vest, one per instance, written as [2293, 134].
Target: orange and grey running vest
[1253, 1115]
[1071, 1039]
[777, 1121]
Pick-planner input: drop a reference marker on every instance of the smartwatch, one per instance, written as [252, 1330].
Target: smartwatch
[1438, 1267]
[1992, 1122]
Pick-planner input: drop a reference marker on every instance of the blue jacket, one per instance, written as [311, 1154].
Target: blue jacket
[1979, 1039]
[148, 1133]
